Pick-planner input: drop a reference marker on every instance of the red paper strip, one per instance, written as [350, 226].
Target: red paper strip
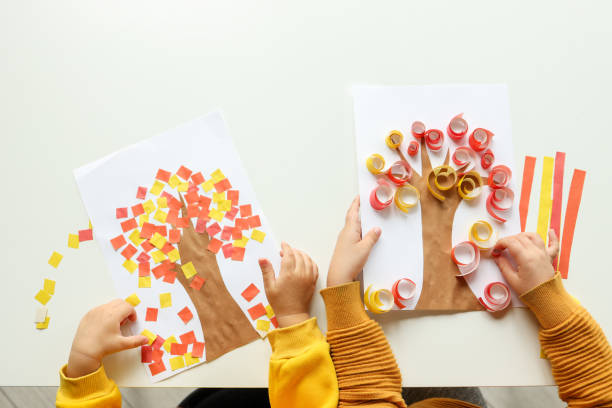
[188, 338]
[118, 242]
[141, 193]
[87, 234]
[250, 292]
[257, 311]
[185, 315]
[157, 367]
[121, 212]
[569, 224]
[151, 315]
[197, 350]
[557, 198]
[528, 170]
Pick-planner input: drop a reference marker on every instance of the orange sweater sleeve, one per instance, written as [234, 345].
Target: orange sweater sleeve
[368, 375]
[579, 353]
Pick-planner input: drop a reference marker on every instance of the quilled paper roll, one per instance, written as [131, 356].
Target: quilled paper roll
[482, 234]
[499, 203]
[496, 297]
[394, 139]
[480, 139]
[378, 301]
[434, 139]
[487, 159]
[464, 158]
[400, 173]
[470, 185]
[375, 163]
[418, 129]
[441, 178]
[499, 176]
[466, 256]
[406, 197]
[382, 195]
[457, 127]
[403, 289]
[413, 148]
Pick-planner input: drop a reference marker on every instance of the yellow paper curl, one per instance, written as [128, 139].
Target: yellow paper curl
[394, 139]
[472, 180]
[483, 242]
[444, 171]
[373, 300]
[375, 163]
[400, 203]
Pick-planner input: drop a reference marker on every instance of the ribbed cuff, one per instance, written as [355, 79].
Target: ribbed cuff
[343, 306]
[550, 302]
[294, 340]
[81, 387]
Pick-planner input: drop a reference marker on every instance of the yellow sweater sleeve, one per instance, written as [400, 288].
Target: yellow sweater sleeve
[368, 375]
[90, 391]
[579, 353]
[301, 370]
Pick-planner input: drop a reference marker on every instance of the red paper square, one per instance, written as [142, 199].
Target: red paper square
[118, 242]
[163, 231]
[254, 221]
[200, 226]
[250, 292]
[214, 245]
[227, 233]
[167, 248]
[236, 233]
[158, 342]
[174, 236]
[192, 197]
[184, 173]
[233, 195]
[157, 367]
[129, 251]
[186, 315]
[274, 322]
[204, 202]
[87, 234]
[223, 185]
[183, 223]
[213, 229]
[197, 282]
[173, 203]
[121, 212]
[231, 214]
[237, 254]
[197, 178]
[163, 175]
[188, 337]
[137, 210]
[169, 277]
[172, 217]
[203, 215]
[257, 311]
[147, 246]
[125, 225]
[192, 187]
[197, 350]
[242, 223]
[227, 250]
[147, 230]
[192, 211]
[160, 270]
[178, 349]
[141, 193]
[246, 210]
[144, 269]
[157, 354]
[143, 257]
[151, 315]
[146, 354]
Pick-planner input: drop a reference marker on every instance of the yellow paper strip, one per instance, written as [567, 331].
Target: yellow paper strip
[545, 198]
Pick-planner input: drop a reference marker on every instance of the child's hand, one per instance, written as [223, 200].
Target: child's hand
[351, 251]
[99, 335]
[533, 259]
[290, 293]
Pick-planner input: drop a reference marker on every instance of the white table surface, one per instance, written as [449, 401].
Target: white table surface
[82, 79]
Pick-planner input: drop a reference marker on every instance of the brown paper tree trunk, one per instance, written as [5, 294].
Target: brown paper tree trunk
[224, 325]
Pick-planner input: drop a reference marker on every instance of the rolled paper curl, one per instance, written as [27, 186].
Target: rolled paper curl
[418, 129]
[499, 203]
[482, 234]
[500, 176]
[470, 185]
[375, 163]
[487, 159]
[442, 178]
[400, 173]
[466, 267]
[480, 139]
[413, 148]
[402, 191]
[496, 297]
[457, 127]
[378, 301]
[434, 139]
[385, 190]
[394, 139]
[403, 289]
[464, 156]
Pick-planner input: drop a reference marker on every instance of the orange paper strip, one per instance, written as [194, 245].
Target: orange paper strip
[571, 215]
[528, 170]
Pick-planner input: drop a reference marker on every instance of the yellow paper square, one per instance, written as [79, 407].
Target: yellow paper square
[218, 197]
[215, 214]
[142, 219]
[241, 243]
[130, 265]
[43, 325]
[217, 176]
[55, 259]
[133, 299]
[258, 235]
[224, 205]
[158, 256]
[43, 297]
[144, 281]
[177, 362]
[174, 181]
[157, 188]
[167, 344]
[165, 300]
[189, 270]
[148, 335]
[174, 255]
[49, 286]
[208, 185]
[73, 241]
[182, 187]
[191, 360]
[263, 325]
[158, 240]
[160, 216]
[149, 206]
[162, 202]
[135, 238]
[269, 311]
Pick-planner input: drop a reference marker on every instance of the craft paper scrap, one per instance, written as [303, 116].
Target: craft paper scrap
[179, 187]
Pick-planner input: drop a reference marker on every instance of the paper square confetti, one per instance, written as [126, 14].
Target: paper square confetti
[174, 255]
[86, 235]
[233, 196]
[143, 257]
[246, 210]
[184, 173]
[159, 340]
[43, 297]
[213, 229]
[237, 254]
[144, 269]
[149, 335]
[274, 321]
[168, 343]
[200, 227]
[197, 282]
[146, 354]
[257, 311]
[149, 206]
[165, 300]
[129, 251]
[158, 256]
[55, 259]
[178, 349]
[158, 240]
[189, 270]
[188, 338]
[250, 292]
[157, 367]
[135, 238]
[137, 210]
[182, 187]
[43, 325]
[258, 235]
[263, 325]
[130, 265]
[151, 315]
[133, 299]
[162, 202]
[73, 241]
[185, 315]
[227, 250]
[121, 212]
[254, 221]
[217, 175]
[118, 242]
[157, 188]
[144, 282]
[163, 175]
[177, 363]
[197, 178]
[208, 185]
[216, 197]
[269, 311]
[214, 245]
[231, 214]
[197, 350]
[141, 193]
[223, 185]
[126, 225]
[190, 360]
[224, 205]
[226, 235]
[49, 286]
[160, 216]
[142, 219]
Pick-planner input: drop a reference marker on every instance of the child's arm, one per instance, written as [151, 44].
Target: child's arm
[301, 370]
[579, 353]
[367, 372]
[83, 382]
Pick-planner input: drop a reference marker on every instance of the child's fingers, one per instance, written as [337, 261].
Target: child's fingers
[511, 244]
[125, 311]
[288, 260]
[553, 245]
[506, 268]
[370, 239]
[531, 238]
[352, 215]
[267, 273]
[128, 342]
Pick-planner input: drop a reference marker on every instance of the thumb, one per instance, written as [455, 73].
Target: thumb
[128, 342]
[370, 239]
[267, 272]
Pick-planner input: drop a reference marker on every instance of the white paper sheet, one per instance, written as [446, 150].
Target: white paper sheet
[380, 109]
[111, 182]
